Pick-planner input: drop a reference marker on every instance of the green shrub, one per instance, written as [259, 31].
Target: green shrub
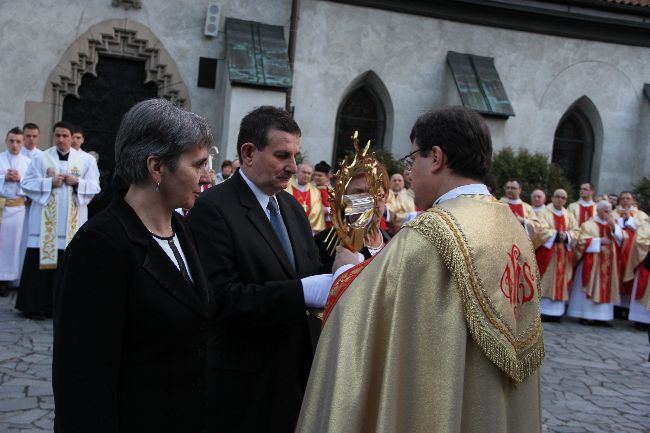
[533, 170]
[642, 193]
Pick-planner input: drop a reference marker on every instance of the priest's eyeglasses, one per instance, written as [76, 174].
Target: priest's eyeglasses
[408, 159]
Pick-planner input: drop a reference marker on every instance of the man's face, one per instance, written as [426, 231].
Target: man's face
[63, 139]
[613, 199]
[320, 178]
[407, 176]
[538, 198]
[585, 192]
[422, 180]
[304, 174]
[626, 200]
[513, 190]
[77, 140]
[271, 168]
[604, 213]
[14, 143]
[396, 182]
[226, 170]
[32, 138]
[559, 199]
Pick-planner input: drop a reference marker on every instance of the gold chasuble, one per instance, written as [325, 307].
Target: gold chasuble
[638, 252]
[601, 270]
[311, 202]
[555, 263]
[440, 332]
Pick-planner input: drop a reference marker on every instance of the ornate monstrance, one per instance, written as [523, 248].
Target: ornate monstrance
[353, 214]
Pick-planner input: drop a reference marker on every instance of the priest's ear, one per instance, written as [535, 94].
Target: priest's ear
[437, 159]
[155, 168]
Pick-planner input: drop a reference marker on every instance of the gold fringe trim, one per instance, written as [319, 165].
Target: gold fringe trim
[518, 359]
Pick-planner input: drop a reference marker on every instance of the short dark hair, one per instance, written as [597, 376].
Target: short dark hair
[323, 167]
[519, 184]
[626, 192]
[156, 127]
[255, 126]
[76, 129]
[462, 135]
[591, 185]
[15, 130]
[226, 163]
[30, 125]
[65, 125]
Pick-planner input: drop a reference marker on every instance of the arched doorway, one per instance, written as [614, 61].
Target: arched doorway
[103, 99]
[573, 146]
[361, 111]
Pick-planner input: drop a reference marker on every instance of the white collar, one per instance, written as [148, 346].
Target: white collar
[513, 201]
[262, 197]
[538, 208]
[585, 203]
[555, 211]
[599, 220]
[470, 189]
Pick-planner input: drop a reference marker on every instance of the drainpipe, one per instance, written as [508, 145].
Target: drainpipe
[293, 35]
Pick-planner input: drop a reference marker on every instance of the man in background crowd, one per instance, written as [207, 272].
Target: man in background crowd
[13, 166]
[308, 196]
[538, 200]
[585, 208]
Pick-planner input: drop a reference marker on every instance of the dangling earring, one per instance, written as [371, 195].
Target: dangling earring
[157, 188]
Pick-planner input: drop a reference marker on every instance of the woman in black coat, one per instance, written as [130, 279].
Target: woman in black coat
[132, 303]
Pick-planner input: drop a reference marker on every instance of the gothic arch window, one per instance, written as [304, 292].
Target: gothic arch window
[573, 146]
[363, 111]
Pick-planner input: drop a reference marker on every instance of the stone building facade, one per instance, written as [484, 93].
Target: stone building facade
[573, 73]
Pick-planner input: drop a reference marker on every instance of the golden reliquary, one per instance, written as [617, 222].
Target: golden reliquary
[353, 214]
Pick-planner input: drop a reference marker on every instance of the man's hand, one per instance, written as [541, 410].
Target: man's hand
[12, 175]
[50, 172]
[344, 257]
[71, 180]
[561, 237]
[57, 180]
[605, 241]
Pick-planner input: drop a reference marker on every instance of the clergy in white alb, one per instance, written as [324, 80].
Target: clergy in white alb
[522, 210]
[59, 182]
[595, 287]
[554, 250]
[13, 166]
[400, 203]
[538, 200]
[78, 140]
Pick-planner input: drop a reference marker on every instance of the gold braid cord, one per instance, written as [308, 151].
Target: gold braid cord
[517, 356]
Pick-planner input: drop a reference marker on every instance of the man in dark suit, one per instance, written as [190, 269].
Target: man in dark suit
[261, 261]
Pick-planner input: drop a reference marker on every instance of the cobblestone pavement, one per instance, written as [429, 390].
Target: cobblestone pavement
[594, 379]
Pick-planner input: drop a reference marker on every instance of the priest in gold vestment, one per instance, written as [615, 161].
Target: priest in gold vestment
[638, 272]
[553, 248]
[440, 332]
[309, 196]
[595, 287]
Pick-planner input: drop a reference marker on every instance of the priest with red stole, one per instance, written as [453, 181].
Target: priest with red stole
[595, 287]
[523, 211]
[554, 243]
[321, 179]
[308, 196]
[638, 273]
[628, 216]
[585, 208]
[440, 331]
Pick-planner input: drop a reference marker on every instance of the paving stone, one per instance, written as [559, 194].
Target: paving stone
[14, 404]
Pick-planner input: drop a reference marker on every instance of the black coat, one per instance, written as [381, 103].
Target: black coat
[130, 333]
[261, 348]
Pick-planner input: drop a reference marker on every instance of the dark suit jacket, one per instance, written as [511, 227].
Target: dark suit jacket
[261, 348]
[130, 333]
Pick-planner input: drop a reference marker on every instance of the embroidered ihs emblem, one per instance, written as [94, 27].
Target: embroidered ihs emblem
[517, 281]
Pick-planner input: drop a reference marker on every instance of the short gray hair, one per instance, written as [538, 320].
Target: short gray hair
[156, 127]
[603, 204]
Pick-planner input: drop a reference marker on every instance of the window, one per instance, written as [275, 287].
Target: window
[257, 54]
[479, 84]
